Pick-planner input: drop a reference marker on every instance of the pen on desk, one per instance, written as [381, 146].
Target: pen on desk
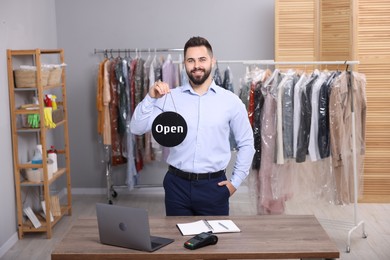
[223, 225]
[208, 224]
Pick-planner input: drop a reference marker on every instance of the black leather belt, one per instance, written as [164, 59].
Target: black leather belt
[195, 176]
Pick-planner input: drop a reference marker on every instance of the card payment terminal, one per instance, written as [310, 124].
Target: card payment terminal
[201, 240]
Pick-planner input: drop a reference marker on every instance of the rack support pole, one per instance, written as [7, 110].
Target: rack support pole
[355, 179]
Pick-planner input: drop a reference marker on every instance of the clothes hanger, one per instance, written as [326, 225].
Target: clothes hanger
[148, 59]
[111, 56]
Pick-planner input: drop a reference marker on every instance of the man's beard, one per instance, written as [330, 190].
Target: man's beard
[199, 80]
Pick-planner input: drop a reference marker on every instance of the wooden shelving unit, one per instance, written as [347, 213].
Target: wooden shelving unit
[17, 96]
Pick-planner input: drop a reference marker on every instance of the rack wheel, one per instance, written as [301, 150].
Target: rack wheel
[114, 193]
[348, 249]
[364, 235]
[110, 202]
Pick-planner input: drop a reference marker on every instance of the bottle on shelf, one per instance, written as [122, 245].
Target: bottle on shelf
[37, 158]
[52, 156]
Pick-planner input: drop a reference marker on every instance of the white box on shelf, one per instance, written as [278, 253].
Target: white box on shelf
[36, 175]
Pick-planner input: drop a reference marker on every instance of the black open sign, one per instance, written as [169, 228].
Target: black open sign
[169, 129]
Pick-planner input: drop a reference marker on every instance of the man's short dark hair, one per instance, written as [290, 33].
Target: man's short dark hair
[196, 42]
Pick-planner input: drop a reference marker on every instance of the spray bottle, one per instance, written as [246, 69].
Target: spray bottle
[52, 155]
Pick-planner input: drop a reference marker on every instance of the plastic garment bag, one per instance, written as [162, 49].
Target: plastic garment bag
[305, 120]
[267, 201]
[323, 117]
[340, 118]
[313, 141]
[258, 106]
[228, 80]
[217, 77]
[288, 114]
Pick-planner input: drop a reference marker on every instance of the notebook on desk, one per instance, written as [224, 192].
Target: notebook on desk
[212, 226]
[127, 227]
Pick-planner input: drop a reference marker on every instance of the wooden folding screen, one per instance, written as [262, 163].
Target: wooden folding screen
[296, 24]
[373, 52]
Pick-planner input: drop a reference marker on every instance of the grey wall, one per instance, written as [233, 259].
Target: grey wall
[24, 24]
[237, 29]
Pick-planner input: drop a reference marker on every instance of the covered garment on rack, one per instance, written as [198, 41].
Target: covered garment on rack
[305, 120]
[103, 99]
[258, 100]
[267, 201]
[323, 121]
[217, 77]
[344, 87]
[121, 71]
[228, 80]
[170, 73]
[313, 139]
[138, 76]
[99, 97]
[148, 78]
[288, 114]
[285, 116]
[251, 92]
[245, 86]
[227, 83]
[298, 88]
[247, 89]
[116, 132]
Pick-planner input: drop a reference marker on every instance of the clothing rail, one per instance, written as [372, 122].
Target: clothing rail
[245, 62]
[106, 51]
[272, 62]
[167, 50]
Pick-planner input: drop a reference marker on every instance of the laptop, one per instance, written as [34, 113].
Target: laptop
[127, 227]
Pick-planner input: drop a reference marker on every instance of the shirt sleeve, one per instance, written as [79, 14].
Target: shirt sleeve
[243, 134]
[143, 116]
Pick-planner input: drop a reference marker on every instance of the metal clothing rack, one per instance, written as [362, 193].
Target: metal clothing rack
[111, 192]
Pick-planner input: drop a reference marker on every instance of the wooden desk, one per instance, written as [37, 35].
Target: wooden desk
[261, 237]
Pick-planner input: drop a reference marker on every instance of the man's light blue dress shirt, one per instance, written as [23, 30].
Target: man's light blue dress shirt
[209, 118]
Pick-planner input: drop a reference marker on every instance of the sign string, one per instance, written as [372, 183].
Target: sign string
[173, 102]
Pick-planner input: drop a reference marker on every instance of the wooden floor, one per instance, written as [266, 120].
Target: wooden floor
[336, 220]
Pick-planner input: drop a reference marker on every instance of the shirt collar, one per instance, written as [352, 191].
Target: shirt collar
[213, 87]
